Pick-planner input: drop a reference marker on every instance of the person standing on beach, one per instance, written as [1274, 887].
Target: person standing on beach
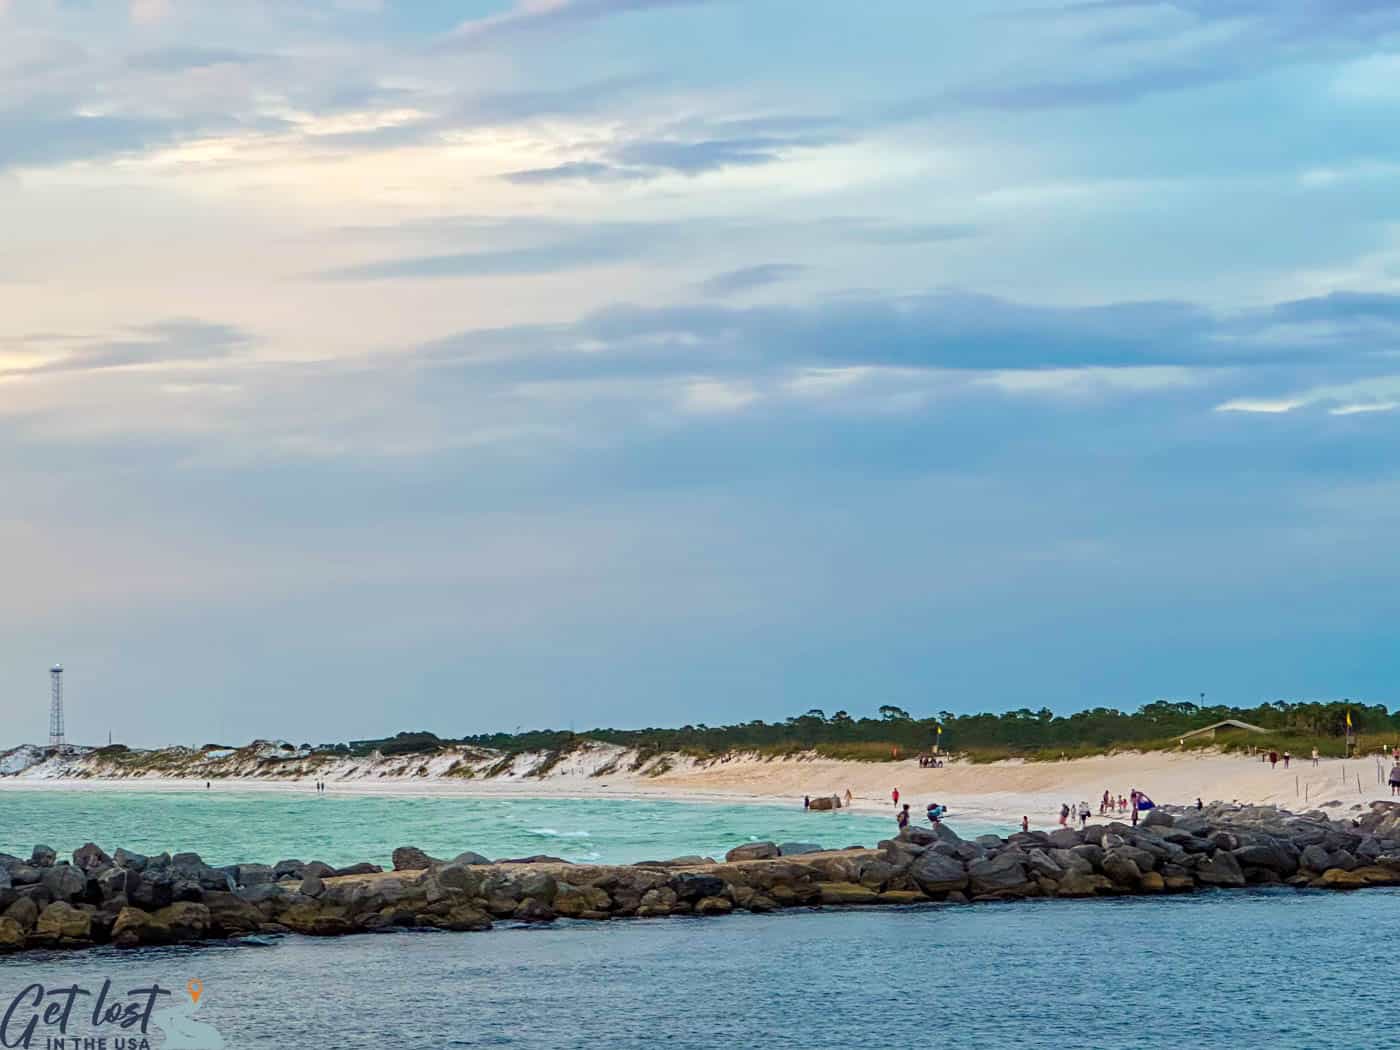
[895, 795]
[1395, 779]
[1064, 814]
[848, 798]
[1314, 758]
[1025, 823]
[806, 801]
[903, 818]
[1083, 814]
[1273, 759]
[1287, 758]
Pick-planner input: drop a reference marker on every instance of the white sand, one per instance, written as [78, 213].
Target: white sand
[997, 793]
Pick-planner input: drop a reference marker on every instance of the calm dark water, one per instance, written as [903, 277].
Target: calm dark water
[1261, 969]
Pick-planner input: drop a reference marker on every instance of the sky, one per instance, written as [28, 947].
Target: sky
[376, 365]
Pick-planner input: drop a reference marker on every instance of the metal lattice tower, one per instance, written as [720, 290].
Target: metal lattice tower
[56, 708]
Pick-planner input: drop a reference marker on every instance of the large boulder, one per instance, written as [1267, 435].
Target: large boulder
[411, 858]
[117, 882]
[752, 851]
[12, 937]
[936, 873]
[1222, 869]
[64, 882]
[186, 920]
[1157, 818]
[690, 887]
[230, 914]
[61, 922]
[90, 857]
[1121, 869]
[124, 858]
[793, 849]
[1005, 873]
[1042, 864]
[134, 927]
[43, 856]
[1267, 855]
[25, 912]
[469, 859]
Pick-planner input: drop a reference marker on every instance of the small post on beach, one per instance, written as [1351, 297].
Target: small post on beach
[1296, 779]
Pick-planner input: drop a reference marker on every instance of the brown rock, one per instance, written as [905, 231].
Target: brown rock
[11, 935]
[713, 906]
[61, 921]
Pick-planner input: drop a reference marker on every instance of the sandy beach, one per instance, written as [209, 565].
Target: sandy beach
[998, 793]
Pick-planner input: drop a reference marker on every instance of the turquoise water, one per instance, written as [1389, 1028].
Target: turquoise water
[227, 827]
[1283, 970]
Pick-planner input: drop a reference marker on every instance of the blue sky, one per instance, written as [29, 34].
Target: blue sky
[373, 365]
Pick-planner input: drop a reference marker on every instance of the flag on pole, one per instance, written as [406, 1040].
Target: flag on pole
[1348, 718]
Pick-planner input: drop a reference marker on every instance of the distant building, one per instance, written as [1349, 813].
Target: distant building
[1225, 726]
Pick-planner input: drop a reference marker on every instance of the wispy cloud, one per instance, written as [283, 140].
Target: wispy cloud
[750, 278]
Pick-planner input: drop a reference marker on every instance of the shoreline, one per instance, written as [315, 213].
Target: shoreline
[993, 794]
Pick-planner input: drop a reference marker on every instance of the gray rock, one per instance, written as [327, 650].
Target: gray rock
[411, 858]
[363, 868]
[469, 859]
[1220, 870]
[1145, 860]
[933, 872]
[43, 857]
[64, 883]
[918, 835]
[126, 859]
[90, 857]
[186, 890]
[989, 842]
[1157, 818]
[311, 886]
[691, 887]
[1269, 856]
[320, 869]
[1071, 862]
[752, 851]
[249, 875]
[1041, 863]
[1091, 853]
[1065, 838]
[1316, 858]
[288, 869]
[794, 849]
[1121, 869]
[25, 875]
[116, 882]
[998, 874]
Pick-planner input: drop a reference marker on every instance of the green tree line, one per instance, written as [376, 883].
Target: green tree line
[895, 730]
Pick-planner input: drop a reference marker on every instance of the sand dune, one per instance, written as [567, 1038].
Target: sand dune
[996, 794]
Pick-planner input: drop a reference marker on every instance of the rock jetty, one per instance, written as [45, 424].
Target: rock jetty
[131, 900]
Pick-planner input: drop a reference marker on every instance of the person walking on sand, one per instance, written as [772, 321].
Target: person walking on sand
[895, 795]
[1083, 814]
[848, 798]
[1025, 823]
[1273, 759]
[1395, 779]
[903, 818]
[1064, 814]
[1287, 758]
[1314, 758]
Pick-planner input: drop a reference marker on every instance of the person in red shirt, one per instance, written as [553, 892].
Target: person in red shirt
[895, 795]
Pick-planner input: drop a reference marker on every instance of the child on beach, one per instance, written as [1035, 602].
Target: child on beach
[903, 819]
[1064, 814]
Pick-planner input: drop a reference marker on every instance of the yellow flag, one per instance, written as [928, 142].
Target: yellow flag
[1348, 718]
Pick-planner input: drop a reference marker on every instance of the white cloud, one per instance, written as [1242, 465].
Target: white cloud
[1259, 405]
[1358, 409]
